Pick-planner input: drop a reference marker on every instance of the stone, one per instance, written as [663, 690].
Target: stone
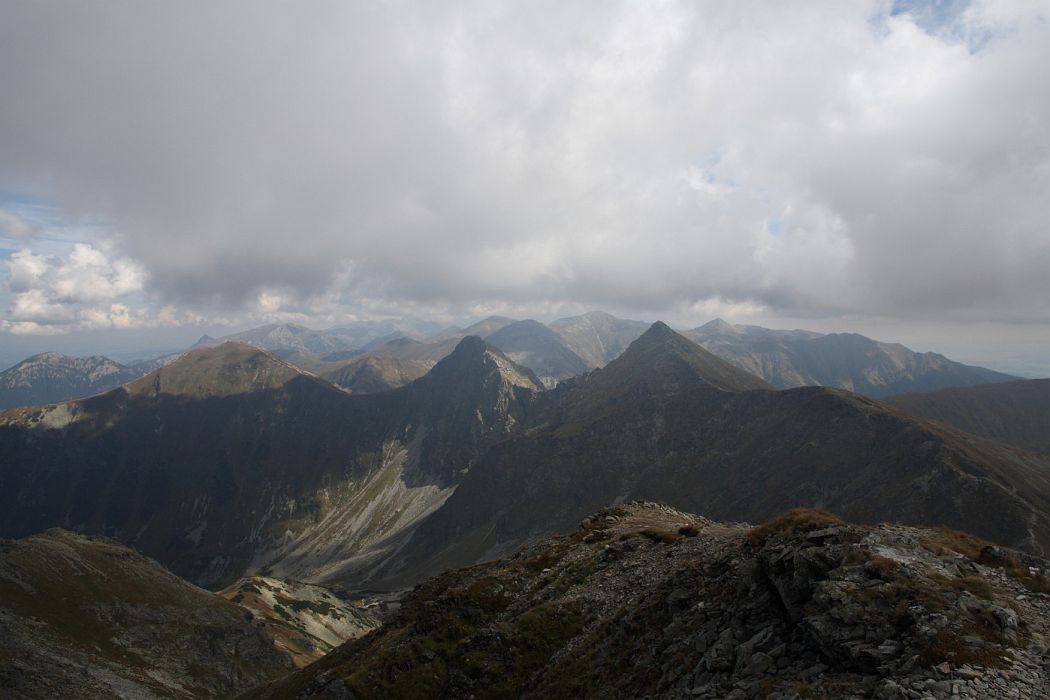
[890, 648]
[721, 654]
[1006, 617]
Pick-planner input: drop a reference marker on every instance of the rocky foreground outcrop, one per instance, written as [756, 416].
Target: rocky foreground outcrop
[648, 602]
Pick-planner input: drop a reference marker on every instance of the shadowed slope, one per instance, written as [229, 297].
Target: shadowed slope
[83, 617]
[1017, 413]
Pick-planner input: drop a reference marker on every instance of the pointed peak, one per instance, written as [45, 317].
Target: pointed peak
[659, 335]
[658, 330]
[473, 357]
[470, 346]
[665, 356]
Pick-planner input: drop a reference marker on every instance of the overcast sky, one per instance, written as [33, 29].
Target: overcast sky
[872, 166]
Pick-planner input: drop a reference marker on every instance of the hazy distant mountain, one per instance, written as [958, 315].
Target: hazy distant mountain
[1017, 413]
[371, 374]
[534, 345]
[293, 342]
[51, 377]
[288, 340]
[597, 337]
[842, 360]
[83, 617]
[486, 327]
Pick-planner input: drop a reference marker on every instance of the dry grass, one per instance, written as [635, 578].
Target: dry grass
[658, 535]
[882, 568]
[944, 540]
[689, 531]
[794, 521]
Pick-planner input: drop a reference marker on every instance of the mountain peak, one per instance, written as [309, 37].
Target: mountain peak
[663, 354]
[717, 325]
[472, 356]
[659, 329]
[223, 370]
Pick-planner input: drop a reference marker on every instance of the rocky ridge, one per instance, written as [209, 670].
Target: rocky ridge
[644, 601]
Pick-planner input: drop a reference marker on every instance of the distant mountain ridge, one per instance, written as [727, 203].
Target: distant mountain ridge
[51, 377]
[1017, 413]
[842, 360]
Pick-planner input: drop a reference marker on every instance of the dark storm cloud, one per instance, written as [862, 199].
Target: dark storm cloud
[812, 158]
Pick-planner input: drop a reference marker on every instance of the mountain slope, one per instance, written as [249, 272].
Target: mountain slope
[1016, 413]
[645, 601]
[597, 337]
[376, 373]
[304, 621]
[230, 461]
[533, 345]
[84, 617]
[842, 360]
[51, 377]
[668, 421]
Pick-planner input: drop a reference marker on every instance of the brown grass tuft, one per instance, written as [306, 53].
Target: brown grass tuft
[794, 521]
[689, 531]
[662, 536]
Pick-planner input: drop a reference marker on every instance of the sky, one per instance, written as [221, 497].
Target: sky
[169, 169]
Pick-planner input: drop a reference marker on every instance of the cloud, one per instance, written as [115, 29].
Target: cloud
[78, 290]
[15, 225]
[539, 155]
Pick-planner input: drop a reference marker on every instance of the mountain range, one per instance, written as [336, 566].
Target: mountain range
[51, 377]
[372, 356]
[842, 360]
[240, 471]
[230, 461]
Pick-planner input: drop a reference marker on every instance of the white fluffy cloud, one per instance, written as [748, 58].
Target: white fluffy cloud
[79, 290]
[819, 158]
